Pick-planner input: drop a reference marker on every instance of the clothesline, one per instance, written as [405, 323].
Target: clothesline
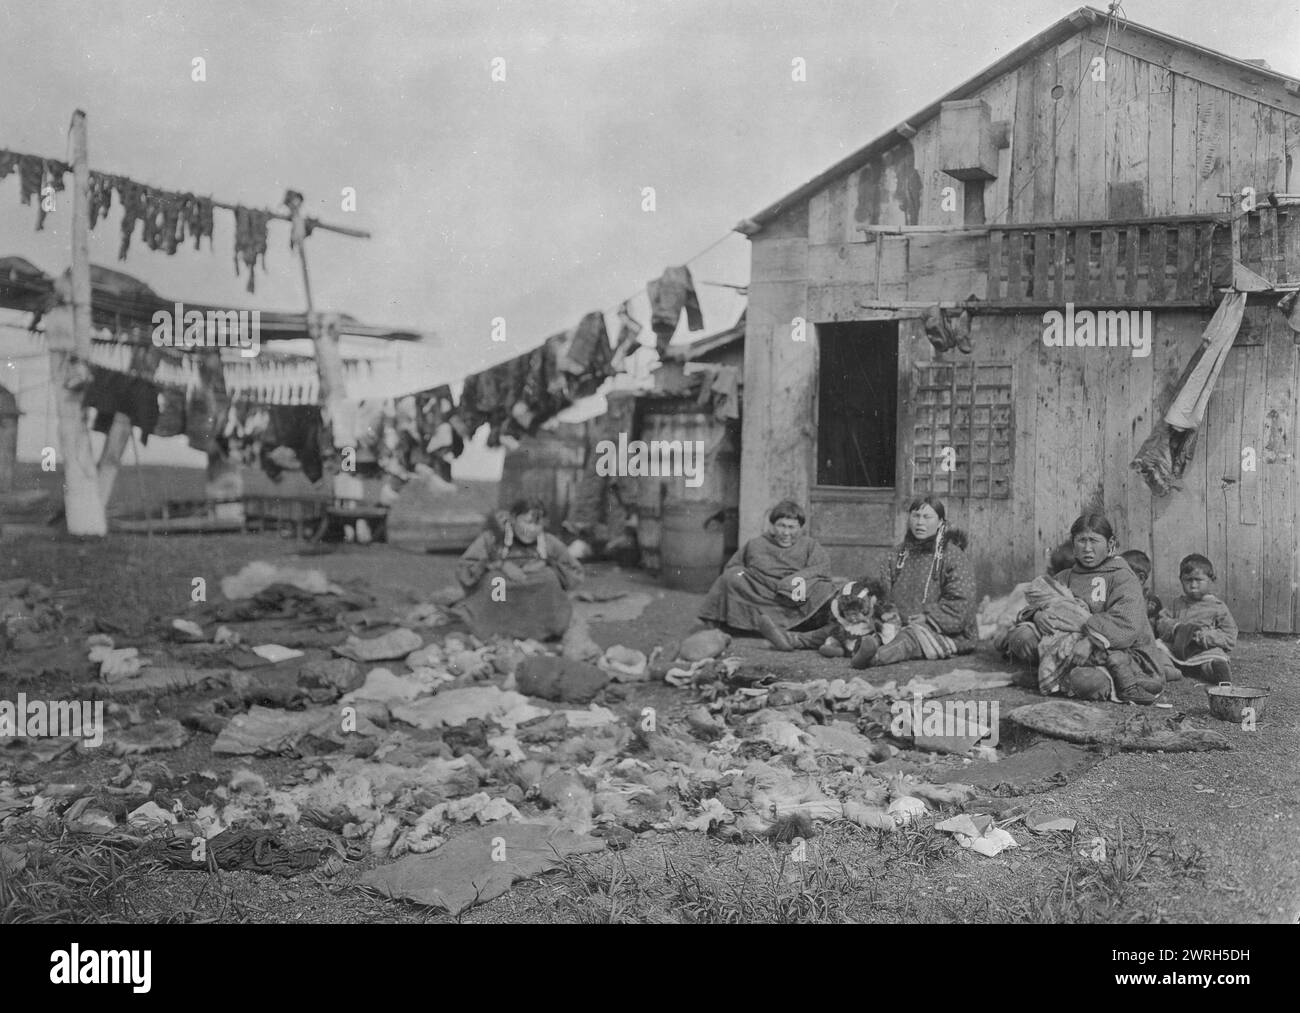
[685, 263]
[64, 168]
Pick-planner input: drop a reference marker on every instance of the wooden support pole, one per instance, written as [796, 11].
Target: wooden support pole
[83, 508]
[323, 330]
[110, 458]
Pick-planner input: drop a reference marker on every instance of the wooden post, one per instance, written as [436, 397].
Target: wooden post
[323, 330]
[83, 507]
[110, 458]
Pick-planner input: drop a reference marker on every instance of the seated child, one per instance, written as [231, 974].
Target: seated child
[1062, 558]
[1140, 563]
[1199, 631]
[855, 613]
[1020, 641]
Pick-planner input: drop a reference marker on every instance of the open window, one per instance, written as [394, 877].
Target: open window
[857, 404]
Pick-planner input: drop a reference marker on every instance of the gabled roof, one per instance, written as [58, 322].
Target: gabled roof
[1068, 26]
[716, 342]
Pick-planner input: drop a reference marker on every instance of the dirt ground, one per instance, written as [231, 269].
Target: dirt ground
[1188, 837]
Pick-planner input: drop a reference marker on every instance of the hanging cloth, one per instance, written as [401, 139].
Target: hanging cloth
[669, 294]
[250, 240]
[1165, 454]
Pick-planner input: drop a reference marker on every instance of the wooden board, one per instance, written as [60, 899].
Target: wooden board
[1126, 127]
[1160, 142]
[1233, 547]
[1044, 169]
[925, 151]
[1243, 163]
[1092, 99]
[1183, 156]
[1178, 520]
[1278, 480]
[1001, 99]
[1200, 65]
[773, 260]
[1024, 334]
[1024, 139]
[838, 212]
[1065, 196]
[1270, 145]
[842, 264]
[946, 267]
[819, 228]
[1059, 441]
[1291, 152]
[1126, 385]
[1213, 146]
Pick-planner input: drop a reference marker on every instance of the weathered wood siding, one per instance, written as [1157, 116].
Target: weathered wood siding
[1164, 133]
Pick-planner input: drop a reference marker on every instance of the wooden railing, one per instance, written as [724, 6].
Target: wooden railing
[1165, 261]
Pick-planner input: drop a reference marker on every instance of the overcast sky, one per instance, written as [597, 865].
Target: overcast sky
[519, 198]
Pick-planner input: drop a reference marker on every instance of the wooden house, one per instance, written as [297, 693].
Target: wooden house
[1088, 167]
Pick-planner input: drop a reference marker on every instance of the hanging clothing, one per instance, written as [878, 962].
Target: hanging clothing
[171, 412]
[726, 393]
[197, 218]
[946, 331]
[669, 294]
[99, 197]
[134, 200]
[629, 339]
[1165, 454]
[110, 393]
[299, 428]
[588, 356]
[250, 240]
[200, 418]
[1289, 304]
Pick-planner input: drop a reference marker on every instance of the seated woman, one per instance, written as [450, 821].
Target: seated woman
[929, 593]
[1110, 653]
[783, 575]
[515, 576]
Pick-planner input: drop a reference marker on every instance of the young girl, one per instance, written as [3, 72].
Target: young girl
[1116, 657]
[1199, 631]
[515, 576]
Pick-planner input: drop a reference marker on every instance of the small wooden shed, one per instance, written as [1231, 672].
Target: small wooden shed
[1083, 172]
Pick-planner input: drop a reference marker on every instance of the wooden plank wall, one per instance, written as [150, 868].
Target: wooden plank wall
[1000, 555]
[780, 424]
[1172, 129]
[1278, 476]
[1178, 140]
[1233, 537]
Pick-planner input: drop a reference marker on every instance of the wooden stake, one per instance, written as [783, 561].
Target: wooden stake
[329, 362]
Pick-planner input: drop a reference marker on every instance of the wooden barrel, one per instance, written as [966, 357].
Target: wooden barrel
[548, 466]
[680, 419]
[693, 547]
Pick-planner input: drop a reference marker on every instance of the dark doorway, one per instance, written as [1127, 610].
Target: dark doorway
[857, 404]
